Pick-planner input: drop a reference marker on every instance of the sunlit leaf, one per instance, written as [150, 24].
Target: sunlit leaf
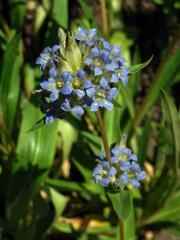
[121, 202]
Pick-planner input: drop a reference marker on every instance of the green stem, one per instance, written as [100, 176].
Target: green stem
[3, 150]
[9, 138]
[105, 28]
[121, 228]
[104, 136]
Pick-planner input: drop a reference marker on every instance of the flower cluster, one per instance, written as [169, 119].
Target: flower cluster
[123, 170]
[82, 71]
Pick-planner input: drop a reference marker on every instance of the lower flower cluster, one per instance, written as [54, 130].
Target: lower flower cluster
[123, 170]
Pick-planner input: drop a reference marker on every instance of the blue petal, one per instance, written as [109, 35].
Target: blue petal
[94, 106]
[66, 76]
[124, 80]
[78, 111]
[87, 84]
[111, 66]
[113, 92]
[79, 93]
[88, 61]
[123, 179]
[112, 171]
[81, 34]
[105, 56]
[105, 164]
[115, 51]
[47, 50]
[66, 89]
[49, 120]
[91, 92]
[54, 95]
[81, 74]
[114, 78]
[65, 106]
[45, 84]
[114, 160]
[53, 72]
[55, 48]
[133, 157]
[108, 105]
[105, 44]
[39, 60]
[97, 169]
[135, 166]
[141, 176]
[105, 182]
[97, 71]
[98, 179]
[104, 83]
[125, 166]
[135, 183]
[95, 52]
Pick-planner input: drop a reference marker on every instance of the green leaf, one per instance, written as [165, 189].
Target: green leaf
[128, 99]
[88, 13]
[112, 122]
[139, 67]
[163, 78]
[35, 151]
[169, 213]
[17, 12]
[116, 104]
[60, 12]
[172, 123]
[128, 225]
[121, 202]
[68, 136]
[37, 125]
[9, 80]
[143, 144]
[59, 201]
[93, 141]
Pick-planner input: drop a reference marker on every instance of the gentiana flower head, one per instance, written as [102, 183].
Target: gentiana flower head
[82, 71]
[123, 170]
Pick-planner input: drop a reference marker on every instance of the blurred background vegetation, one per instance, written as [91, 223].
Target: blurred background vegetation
[46, 186]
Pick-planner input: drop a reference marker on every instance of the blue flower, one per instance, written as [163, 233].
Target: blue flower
[102, 95]
[122, 171]
[87, 37]
[47, 57]
[88, 81]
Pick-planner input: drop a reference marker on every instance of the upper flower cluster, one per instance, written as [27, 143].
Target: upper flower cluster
[82, 71]
[122, 171]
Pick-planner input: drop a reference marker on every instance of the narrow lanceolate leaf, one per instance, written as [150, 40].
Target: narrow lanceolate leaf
[139, 67]
[121, 202]
[169, 213]
[60, 12]
[129, 224]
[9, 80]
[172, 121]
[163, 79]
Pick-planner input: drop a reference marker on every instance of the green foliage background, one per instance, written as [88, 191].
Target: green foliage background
[46, 185]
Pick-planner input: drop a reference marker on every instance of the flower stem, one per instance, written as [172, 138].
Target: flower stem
[9, 138]
[104, 18]
[104, 136]
[121, 228]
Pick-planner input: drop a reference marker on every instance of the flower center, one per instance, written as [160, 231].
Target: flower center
[100, 94]
[59, 83]
[77, 83]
